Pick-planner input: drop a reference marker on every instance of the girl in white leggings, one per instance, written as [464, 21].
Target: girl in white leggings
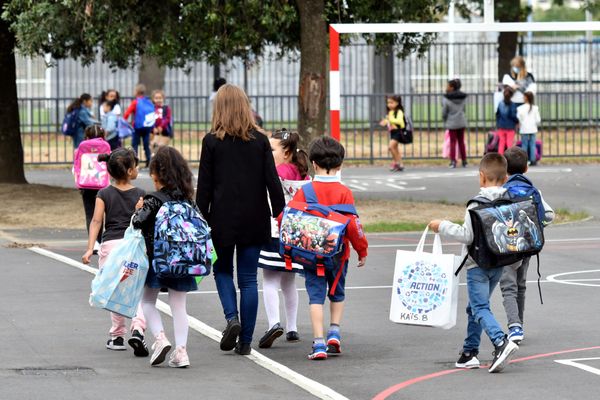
[292, 168]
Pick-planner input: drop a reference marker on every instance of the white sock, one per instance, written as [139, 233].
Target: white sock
[290, 299]
[271, 284]
[151, 314]
[177, 302]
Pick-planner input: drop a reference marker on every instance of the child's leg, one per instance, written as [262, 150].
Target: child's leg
[146, 141]
[89, 204]
[510, 138]
[393, 146]
[271, 285]
[453, 138]
[480, 285]
[135, 140]
[290, 299]
[150, 312]
[522, 287]
[118, 327]
[316, 318]
[473, 339]
[460, 138]
[316, 288]
[509, 288]
[337, 310]
[177, 302]
[139, 321]
[531, 148]
[501, 140]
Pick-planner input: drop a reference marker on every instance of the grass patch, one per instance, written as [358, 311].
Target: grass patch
[394, 227]
[564, 216]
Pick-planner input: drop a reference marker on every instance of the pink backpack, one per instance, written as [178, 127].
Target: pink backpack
[89, 172]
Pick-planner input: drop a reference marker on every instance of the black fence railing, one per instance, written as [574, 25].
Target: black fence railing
[570, 124]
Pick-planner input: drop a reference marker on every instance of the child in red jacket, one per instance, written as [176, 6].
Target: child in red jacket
[327, 155]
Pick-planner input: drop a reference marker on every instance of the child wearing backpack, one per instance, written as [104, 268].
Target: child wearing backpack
[114, 206]
[144, 119]
[163, 129]
[173, 182]
[506, 121]
[90, 173]
[80, 111]
[395, 123]
[109, 120]
[327, 156]
[513, 282]
[292, 168]
[529, 120]
[481, 281]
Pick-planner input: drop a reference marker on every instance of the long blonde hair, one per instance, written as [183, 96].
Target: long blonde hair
[520, 62]
[232, 114]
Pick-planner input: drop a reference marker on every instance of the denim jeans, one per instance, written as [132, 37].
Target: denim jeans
[247, 265]
[480, 285]
[528, 145]
[144, 133]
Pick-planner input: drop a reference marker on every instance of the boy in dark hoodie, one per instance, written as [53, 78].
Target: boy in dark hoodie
[453, 114]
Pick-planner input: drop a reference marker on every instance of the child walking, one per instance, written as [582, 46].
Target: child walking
[94, 140]
[506, 121]
[85, 118]
[162, 131]
[529, 118]
[395, 123]
[513, 282]
[292, 168]
[481, 282]
[173, 182]
[453, 114]
[114, 206]
[327, 156]
[144, 118]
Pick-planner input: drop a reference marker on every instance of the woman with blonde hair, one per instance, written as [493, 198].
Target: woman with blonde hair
[237, 170]
[519, 80]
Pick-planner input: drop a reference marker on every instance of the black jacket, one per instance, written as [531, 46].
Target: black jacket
[233, 181]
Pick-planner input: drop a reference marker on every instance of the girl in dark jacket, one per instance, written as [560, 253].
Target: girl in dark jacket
[236, 172]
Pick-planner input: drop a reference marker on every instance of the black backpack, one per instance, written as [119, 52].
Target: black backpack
[505, 231]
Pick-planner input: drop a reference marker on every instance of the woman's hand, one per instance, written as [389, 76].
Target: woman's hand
[86, 256]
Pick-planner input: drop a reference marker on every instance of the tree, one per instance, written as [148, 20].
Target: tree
[175, 32]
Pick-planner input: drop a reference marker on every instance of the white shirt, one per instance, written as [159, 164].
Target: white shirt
[528, 119]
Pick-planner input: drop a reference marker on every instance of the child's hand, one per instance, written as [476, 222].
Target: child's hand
[435, 225]
[361, 262]
[140, 203]
[86, 257]
[383, 122]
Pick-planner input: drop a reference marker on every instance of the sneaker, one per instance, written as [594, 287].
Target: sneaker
[292, 336]
[230, 334]
[502, 355]
[319, 352]
[160, 349]
[464, 164]
[138, 344]
[269, 337]
[467, 360]
[116, 343]
[334, 343]
[394, 167]
[452, 164]
[179, 358]
[515, 334]
[243, 349]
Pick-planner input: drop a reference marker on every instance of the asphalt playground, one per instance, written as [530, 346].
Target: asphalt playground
[53, 341]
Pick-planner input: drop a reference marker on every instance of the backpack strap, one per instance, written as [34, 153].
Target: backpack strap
[337, 277]
[344, 208]
[309, 193]
[539, 277]
[462, 264]
[479, 200]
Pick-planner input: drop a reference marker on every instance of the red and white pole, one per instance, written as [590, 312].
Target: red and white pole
[334, 83]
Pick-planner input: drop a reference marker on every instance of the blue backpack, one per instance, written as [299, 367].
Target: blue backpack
[144, 113]
[182, 240]
[70, 123]
[312, 234]
[519, 187]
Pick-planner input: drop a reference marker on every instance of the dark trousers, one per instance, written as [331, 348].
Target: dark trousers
[457, 135]
[89, 203]
[144, 134]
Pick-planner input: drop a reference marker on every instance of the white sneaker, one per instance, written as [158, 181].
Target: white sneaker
[179, 358]
[160, 347]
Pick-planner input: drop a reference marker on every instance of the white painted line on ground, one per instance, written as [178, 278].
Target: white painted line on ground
[313, 387]
[575, 362]
[409, 189]
[576, 282]
[357, 187]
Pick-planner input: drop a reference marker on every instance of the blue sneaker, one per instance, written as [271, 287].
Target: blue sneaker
[515, 334]
[334, 343]
[319, 352]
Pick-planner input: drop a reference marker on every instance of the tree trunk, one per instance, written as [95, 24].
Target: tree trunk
[11, 148]
[151, 74]
[507, 11]
[313, 69]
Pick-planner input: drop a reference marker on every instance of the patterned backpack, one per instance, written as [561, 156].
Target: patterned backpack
[182, 241]
[89, 172]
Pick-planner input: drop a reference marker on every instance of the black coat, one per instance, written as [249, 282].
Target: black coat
[233, 181]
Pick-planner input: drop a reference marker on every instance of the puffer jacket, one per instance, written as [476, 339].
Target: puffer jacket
[453, 110]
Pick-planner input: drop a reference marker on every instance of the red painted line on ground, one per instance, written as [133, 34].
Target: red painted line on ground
[396, 388]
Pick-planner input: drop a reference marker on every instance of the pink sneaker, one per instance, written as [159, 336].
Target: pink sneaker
[160, 347]
[179, 358]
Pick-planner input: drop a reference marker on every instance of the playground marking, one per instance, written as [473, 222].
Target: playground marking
[577, 282]
[313, 387]
[574, 362]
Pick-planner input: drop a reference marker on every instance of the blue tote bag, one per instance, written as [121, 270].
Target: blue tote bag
[119, 284]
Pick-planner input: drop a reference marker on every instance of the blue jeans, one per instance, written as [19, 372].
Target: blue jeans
[480, 285]
[247, 265]
[528, 145]
[144, 133]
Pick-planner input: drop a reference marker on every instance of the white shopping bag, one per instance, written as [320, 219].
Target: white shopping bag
[425, 289]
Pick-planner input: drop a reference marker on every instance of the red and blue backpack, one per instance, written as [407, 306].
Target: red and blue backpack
[312, 234]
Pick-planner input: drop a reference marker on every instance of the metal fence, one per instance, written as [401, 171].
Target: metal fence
[570, 125]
